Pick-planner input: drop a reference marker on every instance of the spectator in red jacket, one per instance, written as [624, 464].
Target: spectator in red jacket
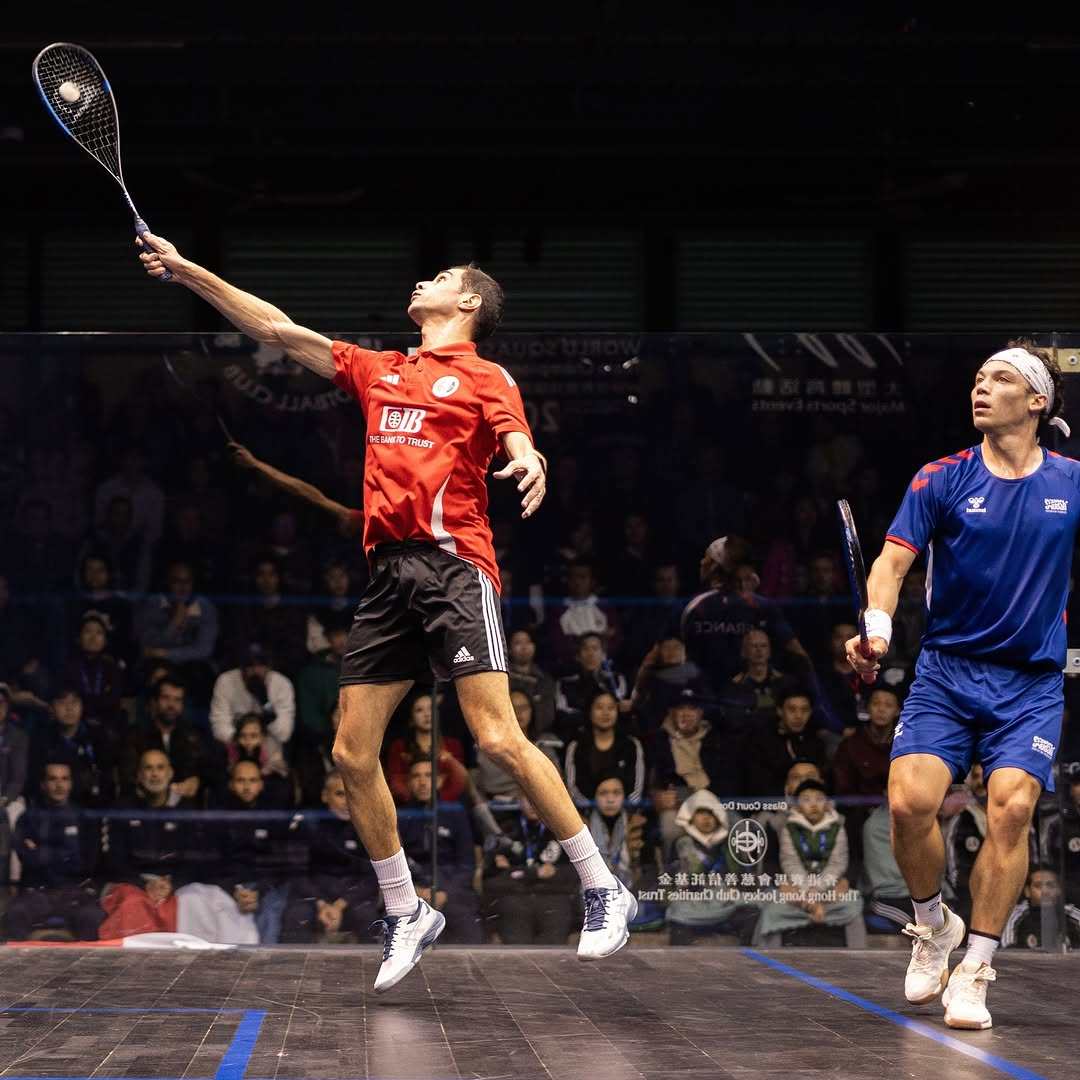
[453, 776]
[861, 764]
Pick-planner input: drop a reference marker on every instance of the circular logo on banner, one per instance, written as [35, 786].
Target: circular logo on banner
[445, 386]
[747, 842]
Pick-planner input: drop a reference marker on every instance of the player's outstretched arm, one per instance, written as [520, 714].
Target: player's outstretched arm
[883, 592]
[301, 489]
[250, 315]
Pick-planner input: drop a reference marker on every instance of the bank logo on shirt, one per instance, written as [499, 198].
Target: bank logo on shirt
[1056, 506]
[975, 504]
[402, 421]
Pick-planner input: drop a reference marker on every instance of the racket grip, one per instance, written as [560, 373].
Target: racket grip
[141, 229]
[870, 677]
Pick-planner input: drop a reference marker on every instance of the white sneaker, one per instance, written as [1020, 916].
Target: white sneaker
[405, 937]
[928, 970]
[965, 996]
[607, 912]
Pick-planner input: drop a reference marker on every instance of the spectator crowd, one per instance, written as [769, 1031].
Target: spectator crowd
[170, 636]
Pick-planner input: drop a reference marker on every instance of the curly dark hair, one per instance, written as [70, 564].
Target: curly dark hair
[1052, 366]
[473, 279]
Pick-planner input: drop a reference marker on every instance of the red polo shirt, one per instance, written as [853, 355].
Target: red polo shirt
[433, 425]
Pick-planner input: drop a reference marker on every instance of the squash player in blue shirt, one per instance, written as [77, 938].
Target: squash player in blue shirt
[998, 522]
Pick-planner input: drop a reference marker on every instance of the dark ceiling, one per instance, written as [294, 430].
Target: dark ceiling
[715, 111]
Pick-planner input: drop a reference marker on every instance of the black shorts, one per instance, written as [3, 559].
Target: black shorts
[423, 610]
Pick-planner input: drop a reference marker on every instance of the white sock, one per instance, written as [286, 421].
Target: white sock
[588, 861]
[395, 881]
[981, 948]
[929, 912]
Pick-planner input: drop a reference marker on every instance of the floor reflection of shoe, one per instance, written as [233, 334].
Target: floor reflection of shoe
[607, 913]
[405, 937]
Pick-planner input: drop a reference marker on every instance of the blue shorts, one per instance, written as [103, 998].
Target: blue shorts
[967, 711]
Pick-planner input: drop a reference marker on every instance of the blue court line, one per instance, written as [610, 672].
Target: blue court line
[237, 1056]
[115, 1012]
[916, 1026]
[233, 1063]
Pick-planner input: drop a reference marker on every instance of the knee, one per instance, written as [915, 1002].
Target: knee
[911, 808]
[1009, 815]
[502, 746]
[353, 761]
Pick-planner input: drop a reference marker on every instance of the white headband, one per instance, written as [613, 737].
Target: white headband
[1037, 377]
[717, 550]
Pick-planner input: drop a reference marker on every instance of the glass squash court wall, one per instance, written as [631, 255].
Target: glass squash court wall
[114, 446]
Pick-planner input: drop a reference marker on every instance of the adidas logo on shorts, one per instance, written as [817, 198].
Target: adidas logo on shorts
[463, 655]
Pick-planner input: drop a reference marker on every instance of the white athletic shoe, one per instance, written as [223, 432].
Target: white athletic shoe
[405, 937]
[928, 970]
[607, 912]
[965, 996]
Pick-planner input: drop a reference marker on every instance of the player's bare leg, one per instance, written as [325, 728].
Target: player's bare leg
[411, 925]
[609, 905]
[998, 875]
[917, 787]
[366, 710]
[485, 703]
[996, 880]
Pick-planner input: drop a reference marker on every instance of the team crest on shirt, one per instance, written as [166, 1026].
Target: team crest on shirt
[1056, 506]
[975, 505]
[445, 386]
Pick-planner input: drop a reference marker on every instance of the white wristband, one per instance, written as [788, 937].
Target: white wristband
[878, 624]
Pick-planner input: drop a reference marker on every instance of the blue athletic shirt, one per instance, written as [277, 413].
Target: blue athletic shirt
[999, 553]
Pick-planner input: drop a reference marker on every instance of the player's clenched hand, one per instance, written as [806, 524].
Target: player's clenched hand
[530, 475]
[866, 666]
[158, 255]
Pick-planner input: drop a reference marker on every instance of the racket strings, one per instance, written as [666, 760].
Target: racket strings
[91, 118]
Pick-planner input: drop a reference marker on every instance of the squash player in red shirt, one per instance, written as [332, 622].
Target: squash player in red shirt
[434, 422]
